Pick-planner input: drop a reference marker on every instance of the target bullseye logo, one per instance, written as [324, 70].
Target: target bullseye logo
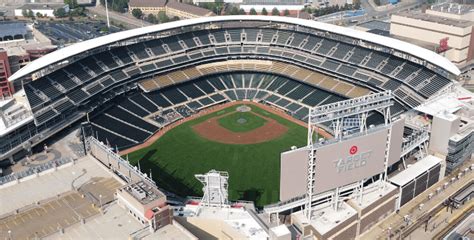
[353, 150]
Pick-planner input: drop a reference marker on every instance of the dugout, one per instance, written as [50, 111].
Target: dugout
[417, 178]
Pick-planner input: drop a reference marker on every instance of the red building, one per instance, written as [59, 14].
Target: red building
[5, 88]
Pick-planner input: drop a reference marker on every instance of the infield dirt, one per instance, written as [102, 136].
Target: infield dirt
[212, 130]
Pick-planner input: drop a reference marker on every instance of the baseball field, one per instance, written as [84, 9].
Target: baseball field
[245, 141]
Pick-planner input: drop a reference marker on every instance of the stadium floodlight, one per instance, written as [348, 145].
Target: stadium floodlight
[350, 107]
[215, 188]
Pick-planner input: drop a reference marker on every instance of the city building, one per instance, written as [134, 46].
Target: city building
[291, 5]
[330, 3]
[452, 131]
[146, 203]
[211, 1]
[45, 9]
[12, 32]
[5, 72]
[375, 26]
[171, 8]
[445, 28]
[186, 11]
[22, 44]
[449, 37]
[147, 6]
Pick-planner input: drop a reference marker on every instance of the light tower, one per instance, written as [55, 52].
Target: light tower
[215, 188]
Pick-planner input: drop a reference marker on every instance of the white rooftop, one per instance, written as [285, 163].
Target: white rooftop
[449, 102]
[72, 50]
[373, 193]
[281, 230]
[326, 218]
[415, 170]
[237, 218]
[19, 107]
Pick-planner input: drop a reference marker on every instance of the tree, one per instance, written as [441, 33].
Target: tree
[78, 11]
[215, 7]
[286, 12]
[275, 12]
[151, 18]
[60, 13]
[24, 12]
[104, 29]
[72, 3]
[116, 5]
[39, 15]
[162, 17]
[253, 12]
[30, 14]
[233, 11]
[137, 13]
[264, 11]
[242, 12]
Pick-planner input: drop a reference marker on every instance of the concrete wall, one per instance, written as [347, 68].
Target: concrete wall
[346, 234]
[396, 138]
[441, 130]
[376, 212]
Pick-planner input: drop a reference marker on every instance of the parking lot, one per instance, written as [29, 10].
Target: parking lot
[46, 218]
[67, 32]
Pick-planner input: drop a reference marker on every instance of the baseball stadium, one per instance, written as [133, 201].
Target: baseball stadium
[230, 93]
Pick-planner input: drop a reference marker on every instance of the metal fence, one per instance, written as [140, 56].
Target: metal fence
[34, 170]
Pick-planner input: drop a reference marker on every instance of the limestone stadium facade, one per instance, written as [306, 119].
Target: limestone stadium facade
[181, 67]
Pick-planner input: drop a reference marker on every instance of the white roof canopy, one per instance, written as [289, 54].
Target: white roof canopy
[67, 52]
[415, 170]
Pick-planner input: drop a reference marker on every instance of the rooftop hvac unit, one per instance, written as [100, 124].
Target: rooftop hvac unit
[138, 192]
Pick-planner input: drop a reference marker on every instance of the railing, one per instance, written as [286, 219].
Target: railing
[415, 141]
[285, 204]
[10, 120]
[112, 155]
[34, 170]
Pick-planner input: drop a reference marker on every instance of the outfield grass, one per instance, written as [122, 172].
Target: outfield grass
[254, 169]
[231, 122]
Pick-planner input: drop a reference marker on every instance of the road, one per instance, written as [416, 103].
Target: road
[124, 18]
